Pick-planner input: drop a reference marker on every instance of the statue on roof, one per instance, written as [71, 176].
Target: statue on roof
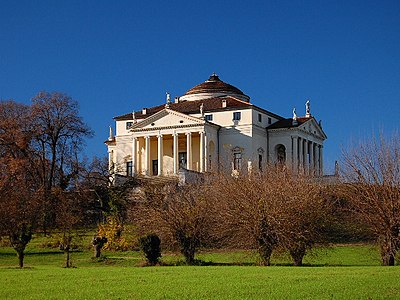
[294, 113]
[202, 110]
[308, 114]
[168, 100]
[134, 118]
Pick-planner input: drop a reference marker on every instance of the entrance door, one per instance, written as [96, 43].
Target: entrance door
[155, 167]
[182, 160]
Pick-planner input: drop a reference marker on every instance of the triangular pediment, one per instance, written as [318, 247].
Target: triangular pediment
[313, 127]
[167, 118]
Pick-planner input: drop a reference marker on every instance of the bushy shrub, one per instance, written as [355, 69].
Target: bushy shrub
[112, 230]
[150, 245]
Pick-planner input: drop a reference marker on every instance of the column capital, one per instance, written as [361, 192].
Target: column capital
[188, 133]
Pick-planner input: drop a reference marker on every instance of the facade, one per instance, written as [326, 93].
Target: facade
[213, 127]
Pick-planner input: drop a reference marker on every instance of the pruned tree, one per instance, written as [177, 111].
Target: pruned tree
[178, 214]
[248, 213]
[306, 211]
[371, 183]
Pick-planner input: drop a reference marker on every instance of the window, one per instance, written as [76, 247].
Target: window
[260, 166]
[236, 116]
[237, 160]
[129, 168]
[208, 117]
[269, 121]
[259, 118]
[128, 125]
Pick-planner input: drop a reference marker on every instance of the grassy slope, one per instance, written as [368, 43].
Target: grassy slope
[359, 277]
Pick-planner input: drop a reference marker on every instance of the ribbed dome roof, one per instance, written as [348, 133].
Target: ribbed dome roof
[214, 85]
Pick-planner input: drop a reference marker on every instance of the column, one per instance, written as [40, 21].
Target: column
[147, 156]
[134, 155]
[176, 153]
[294, 154]
[305, 157]
[312, 166]
[160, 154]
[301, 154]
[189, 150]
[321, 160]
[110, 161]
[202, 151]
[205, 152]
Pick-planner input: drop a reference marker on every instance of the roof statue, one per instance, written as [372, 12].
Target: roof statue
[111, 136]
[294, 122]
[168, 99]
[134, 117]
[202, 109]
[308, 114]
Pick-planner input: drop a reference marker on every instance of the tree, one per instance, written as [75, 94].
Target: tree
[248, 214]
[178, 214]
[19, 201]
[371, 184]
[306, 211]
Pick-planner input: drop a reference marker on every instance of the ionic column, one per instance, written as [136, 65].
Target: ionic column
[176, 156]
[202, 151]
[110, 161]
[134, 154]
[301, 155]
[312, 166]
[160, 154]
[305, 156]
[321, 160]
[205, 153]
[189, 150]
[147, 156]
[294, 154]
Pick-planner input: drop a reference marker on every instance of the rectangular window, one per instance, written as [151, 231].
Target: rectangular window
[237, 161]
[236, 116]
[128, 125]
[208, 117]
[260, 166]
[259, 118]
[269, 121]
[129, 168]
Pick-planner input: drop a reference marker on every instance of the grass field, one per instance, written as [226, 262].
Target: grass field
[341, 272]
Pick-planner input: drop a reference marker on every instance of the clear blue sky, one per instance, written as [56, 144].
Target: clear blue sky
[116, 56]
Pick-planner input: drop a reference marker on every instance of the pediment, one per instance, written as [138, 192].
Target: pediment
[167, 118]
[313, 127]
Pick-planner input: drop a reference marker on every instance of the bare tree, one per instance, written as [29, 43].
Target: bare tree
[178, 214]
[19, 201]
[248, 213]
[371, 175]
[59, 137]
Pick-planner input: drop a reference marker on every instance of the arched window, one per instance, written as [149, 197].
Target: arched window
[280, 154]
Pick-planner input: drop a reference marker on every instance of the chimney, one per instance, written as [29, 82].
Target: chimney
[144, 111]
[176, 100]
[223, 103]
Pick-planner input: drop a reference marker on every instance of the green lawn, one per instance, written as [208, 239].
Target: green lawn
[341, 272]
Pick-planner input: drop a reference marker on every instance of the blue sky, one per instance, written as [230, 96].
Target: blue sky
[116, 56]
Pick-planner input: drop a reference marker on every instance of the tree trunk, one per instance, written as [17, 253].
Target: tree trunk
[297, 255]
[97, 250]
[21, 256]
[67, 258]
[388, 251]
[387, 259]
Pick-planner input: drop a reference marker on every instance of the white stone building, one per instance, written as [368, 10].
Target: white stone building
[213, 126]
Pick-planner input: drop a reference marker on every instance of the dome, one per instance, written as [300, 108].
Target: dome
[213, 87]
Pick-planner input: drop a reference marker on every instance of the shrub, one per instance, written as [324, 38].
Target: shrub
[150, 245]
